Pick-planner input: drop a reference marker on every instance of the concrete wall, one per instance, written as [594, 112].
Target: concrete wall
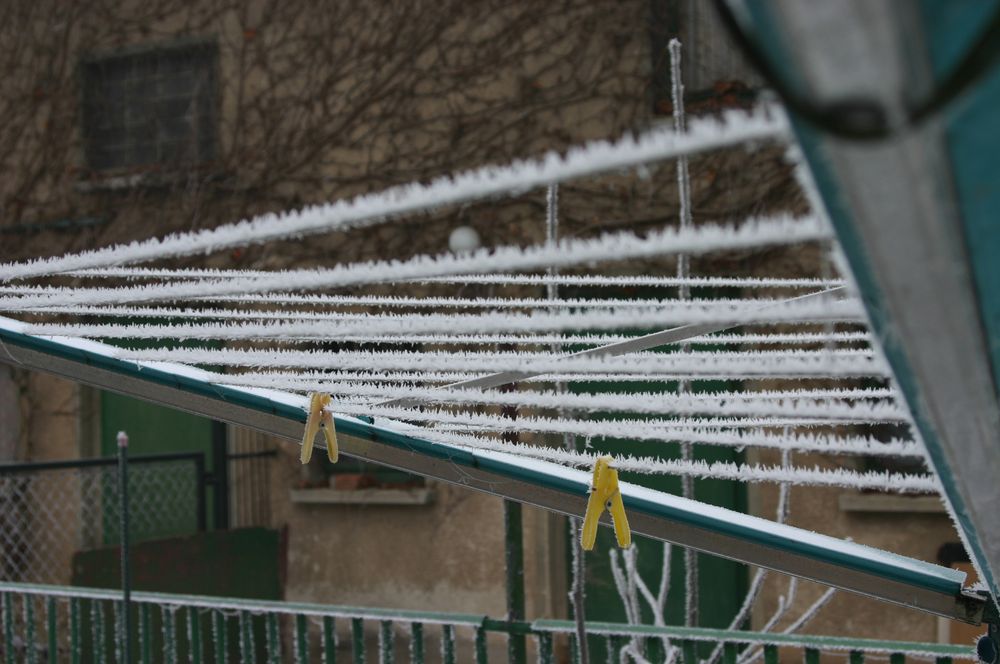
[917, 534]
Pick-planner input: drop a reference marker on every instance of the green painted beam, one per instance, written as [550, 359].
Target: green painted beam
[758, 638]
[713, 530]
[916, 217]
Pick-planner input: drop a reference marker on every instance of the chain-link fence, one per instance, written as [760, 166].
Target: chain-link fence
[49, 511]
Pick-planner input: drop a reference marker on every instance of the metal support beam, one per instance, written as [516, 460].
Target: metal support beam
[514, 559]
[646, 342]
[714, 530]
[918, 250]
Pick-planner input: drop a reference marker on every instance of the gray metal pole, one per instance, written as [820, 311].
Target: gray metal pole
[125, 637]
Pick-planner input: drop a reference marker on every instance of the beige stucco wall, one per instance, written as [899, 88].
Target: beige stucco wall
[915, 534]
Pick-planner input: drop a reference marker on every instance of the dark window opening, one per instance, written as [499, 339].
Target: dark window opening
[150, 109]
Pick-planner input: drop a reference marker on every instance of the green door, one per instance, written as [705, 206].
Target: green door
[162, 495]
[721, 583]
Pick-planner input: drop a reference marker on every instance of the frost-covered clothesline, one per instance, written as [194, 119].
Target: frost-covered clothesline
[438, 377]
[397, 302]
[489, 182]
[778, 230]
[733, 403]
[841, 362]
[329, 381]
[617, 281]
[268, 310]
[655, 430]
[177, 313]
[796, 476]
[418, 324]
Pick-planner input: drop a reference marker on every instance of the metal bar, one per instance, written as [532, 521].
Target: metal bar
[713, 530]
[35, 466]
[417, 643]
[705, 634]
[221, 637]
[514, 557]
[8, 628]
[116, 612]
[97, 629]
[254, 606]
[329, 641]
[645, 342]
[545, 655]
[480, 645]
[618, 642]
[448, 644]
[50, 629]
[30, 649]
[301, 639]
[145, 635]
[578, 576]
[194, 631]
[386, 643]
[169, 636]
[358, 640]
[689, 651]
[274, 639]
[125, 637]
[74, 631]
[914, 239]
[246, 637]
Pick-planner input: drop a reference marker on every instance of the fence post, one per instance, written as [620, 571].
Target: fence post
[125, 637]
[514, 544]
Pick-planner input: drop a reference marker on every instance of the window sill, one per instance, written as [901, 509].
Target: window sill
[873, 503]
[415, 497]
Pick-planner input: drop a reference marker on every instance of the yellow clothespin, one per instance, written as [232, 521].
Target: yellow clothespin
[319, 418]
[604, 494]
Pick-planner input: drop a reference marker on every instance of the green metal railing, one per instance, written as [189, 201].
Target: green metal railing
[79, 625]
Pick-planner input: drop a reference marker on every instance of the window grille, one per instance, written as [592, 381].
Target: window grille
[152, 108]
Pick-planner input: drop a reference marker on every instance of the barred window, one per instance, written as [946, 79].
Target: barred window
[150, 108]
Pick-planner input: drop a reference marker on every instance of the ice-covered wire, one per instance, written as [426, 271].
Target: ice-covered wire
[494, 279]
[844, 363]
[338, 326]
[397, 302]
[312, 381]
[782, 229]
[683, 271]
[433, 377]
[795, 476]
[734, 404]
[701, 431]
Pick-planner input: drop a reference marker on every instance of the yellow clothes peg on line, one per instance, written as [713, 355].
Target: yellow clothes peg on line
[319, 418]
[605, 495]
